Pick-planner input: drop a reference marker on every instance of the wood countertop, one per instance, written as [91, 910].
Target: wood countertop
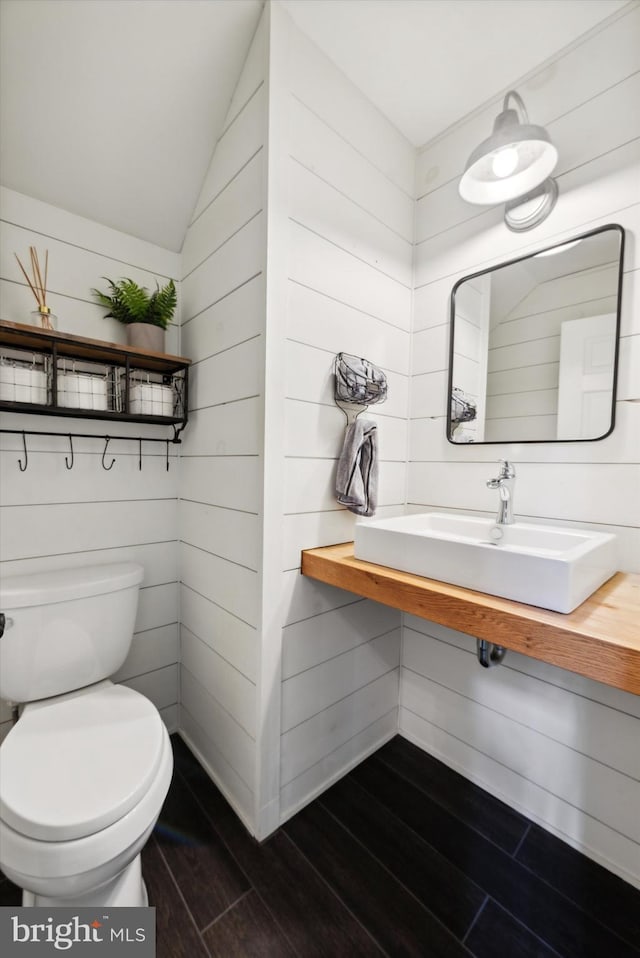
[600, 639]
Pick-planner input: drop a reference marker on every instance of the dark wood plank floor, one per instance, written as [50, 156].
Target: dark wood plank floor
[401, 857]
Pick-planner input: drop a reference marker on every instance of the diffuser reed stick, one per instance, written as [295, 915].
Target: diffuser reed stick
[37, 285]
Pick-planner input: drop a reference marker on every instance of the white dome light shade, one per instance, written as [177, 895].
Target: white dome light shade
[514, 160]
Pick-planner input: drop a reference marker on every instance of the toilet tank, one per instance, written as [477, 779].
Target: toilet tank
[65, 629]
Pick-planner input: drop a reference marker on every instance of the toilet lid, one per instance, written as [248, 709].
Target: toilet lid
[77, 763]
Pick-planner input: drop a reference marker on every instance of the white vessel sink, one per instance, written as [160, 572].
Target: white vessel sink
[547, 566]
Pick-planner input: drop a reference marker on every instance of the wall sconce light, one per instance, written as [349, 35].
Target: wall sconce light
[513, 166]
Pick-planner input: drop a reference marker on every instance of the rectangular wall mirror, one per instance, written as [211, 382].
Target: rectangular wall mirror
[534, 344]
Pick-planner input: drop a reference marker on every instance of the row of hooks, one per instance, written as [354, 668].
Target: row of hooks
[69, 459]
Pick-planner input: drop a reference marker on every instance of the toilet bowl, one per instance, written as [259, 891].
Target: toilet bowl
[83, 774]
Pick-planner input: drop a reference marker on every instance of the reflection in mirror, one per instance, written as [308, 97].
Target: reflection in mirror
[534, 345]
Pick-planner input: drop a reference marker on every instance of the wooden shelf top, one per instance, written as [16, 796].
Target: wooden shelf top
[600, 639]
[79, 347]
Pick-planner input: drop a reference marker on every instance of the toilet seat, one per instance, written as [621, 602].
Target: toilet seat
[24, 857]
[77, 763]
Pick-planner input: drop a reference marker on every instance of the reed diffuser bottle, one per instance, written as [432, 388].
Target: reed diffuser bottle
[38, 285]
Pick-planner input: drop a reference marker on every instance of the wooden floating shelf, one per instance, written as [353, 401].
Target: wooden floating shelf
[600, 639]
[56, 346]
[78, 347]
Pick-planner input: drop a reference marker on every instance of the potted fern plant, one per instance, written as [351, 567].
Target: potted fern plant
[146, 315]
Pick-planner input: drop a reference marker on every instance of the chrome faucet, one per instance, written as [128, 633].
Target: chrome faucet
[504, 483]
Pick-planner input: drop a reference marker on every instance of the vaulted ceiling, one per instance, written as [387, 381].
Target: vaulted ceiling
[111, 108]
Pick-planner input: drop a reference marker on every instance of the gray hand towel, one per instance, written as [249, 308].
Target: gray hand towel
[357, 476]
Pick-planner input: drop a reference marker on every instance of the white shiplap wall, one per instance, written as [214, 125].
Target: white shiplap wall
[220, 510]
[561, 748]
[339, 279]
[52, 517]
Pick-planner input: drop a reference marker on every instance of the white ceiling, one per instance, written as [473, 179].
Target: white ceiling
[111, 108]
[427, 63]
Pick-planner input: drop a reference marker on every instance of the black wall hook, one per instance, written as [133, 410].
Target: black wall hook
[26, 455]
[107, 440]
[68, 464]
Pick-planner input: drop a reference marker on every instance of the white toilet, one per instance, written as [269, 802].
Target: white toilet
[85, 770]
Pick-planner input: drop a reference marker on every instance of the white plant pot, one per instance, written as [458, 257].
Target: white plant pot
[146, 336]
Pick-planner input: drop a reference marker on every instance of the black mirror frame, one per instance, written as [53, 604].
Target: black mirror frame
[511, 262]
